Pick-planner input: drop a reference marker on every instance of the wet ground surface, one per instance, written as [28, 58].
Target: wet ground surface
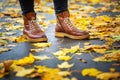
[22, 50]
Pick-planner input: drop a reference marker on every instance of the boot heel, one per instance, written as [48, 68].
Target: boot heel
[58, 34]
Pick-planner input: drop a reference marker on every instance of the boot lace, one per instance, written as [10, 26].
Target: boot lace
[68, 22]
[33, 27]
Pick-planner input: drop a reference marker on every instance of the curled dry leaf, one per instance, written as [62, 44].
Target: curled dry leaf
[63, 54]
[96, 48]
[90, 47]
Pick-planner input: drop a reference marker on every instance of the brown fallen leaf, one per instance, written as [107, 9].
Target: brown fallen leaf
[116, 64]
[7, 65]
[112, 69]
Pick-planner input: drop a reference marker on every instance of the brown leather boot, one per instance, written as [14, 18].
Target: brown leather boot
[31, 29]
[64, 28]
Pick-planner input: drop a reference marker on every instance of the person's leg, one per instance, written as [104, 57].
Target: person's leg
[60, 5]
[27, 6]
[31, 29]
[64, 27]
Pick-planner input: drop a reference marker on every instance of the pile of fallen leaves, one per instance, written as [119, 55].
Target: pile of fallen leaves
[44, 72]
[63, 69]
[100, 27]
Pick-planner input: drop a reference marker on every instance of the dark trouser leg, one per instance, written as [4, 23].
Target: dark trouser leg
[60, 5]
[27, 6]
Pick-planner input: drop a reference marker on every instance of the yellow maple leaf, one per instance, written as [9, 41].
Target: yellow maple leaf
[42, 45]
[102, 51]
[49, 73]
[64, 73]
[108, 76]
[114, 56]
[63, 53]
[16, 68]
[65, 65]
[90, 72]
[59, 53]
[19, 39]
[74, 49]
[24, 72]
[25, 61]
[41, 57]
[65, 58]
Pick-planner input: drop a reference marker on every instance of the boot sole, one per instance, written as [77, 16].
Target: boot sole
[62, 35]
[35, 40]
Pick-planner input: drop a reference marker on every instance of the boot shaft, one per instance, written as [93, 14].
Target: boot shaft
[63, 14]
[29, 17]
